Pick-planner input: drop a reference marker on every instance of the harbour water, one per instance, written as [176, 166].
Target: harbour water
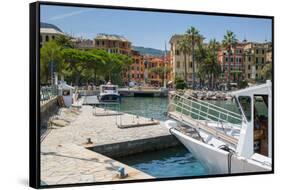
[171, 162]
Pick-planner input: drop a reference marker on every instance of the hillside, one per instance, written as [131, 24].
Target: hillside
[148, 51]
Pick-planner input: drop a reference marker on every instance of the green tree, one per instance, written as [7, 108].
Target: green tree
[266, 72]
[195, 38]
[75, 63]
[229, 42]
[50, 56]
[64, 41]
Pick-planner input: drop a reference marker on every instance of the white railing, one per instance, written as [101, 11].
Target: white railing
[203, 110]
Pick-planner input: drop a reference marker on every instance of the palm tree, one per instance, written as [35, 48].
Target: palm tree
[184, 47]
[229, 42]
[213, 47]
[195, 38]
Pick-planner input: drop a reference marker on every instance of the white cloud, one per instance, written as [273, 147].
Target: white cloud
[66, 15]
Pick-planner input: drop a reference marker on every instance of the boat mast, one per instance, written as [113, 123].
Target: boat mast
[165, 82]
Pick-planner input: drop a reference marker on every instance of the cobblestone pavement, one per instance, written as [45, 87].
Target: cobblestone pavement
[64, 159]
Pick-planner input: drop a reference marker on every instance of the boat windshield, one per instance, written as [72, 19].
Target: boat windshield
[245, 102]
[111, 88]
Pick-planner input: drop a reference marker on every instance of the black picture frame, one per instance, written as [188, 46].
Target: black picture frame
[34, 91]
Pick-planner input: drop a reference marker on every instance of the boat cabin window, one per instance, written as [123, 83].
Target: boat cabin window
[261, 124]
[245, 102]
[113, 88]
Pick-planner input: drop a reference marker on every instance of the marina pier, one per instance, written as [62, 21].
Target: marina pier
[85, 149]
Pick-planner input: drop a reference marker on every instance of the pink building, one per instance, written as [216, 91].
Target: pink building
[236, 62]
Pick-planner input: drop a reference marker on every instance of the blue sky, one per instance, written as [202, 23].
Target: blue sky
[151, 29]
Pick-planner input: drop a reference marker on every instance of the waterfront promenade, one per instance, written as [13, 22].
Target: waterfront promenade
[66, 157]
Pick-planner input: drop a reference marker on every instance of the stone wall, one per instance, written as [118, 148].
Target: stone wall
[48, 109]
[136, 146]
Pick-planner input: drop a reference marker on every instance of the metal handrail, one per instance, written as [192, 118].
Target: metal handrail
[222, 109]
[227, 114]
[208, 107]
[207, 118]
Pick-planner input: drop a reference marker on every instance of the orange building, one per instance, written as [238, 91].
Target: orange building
[135, 72]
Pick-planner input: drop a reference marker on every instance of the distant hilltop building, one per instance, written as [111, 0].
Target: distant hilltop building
[49, 32]
[113, 43]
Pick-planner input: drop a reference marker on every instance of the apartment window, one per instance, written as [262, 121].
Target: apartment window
[240, 60]
[102, 42]
[177, 52]
[257, 60]
[178, 64]
[132, 67]
[249, 59]
[249, 75]
[190, 64]
[226, 59]
[237, 60]
[47, 38]
[53, 37]
[262, 51]
[249, 67]
[231, 59]
[262, 60]
[138, 68]
[98, 43]
[257, 51]
[257, 67]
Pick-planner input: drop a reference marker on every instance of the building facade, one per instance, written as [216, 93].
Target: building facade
[113, 43]
[135, 72]
[256, 56]
[49, 32]
[177, 61]
[235, 60]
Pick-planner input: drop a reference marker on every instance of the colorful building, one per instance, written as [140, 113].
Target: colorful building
[235, 59]
[135, 72]
[257, 55]
[177, 60]
[113, 43]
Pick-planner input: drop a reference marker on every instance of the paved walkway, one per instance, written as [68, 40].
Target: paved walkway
[65, 160]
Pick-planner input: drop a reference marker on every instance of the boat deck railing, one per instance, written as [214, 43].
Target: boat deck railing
[202, 110]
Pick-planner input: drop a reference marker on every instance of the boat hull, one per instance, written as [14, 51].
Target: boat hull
[109, 98]
[216, 160]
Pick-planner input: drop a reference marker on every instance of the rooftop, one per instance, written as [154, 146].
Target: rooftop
[50, 29]
[111, 37]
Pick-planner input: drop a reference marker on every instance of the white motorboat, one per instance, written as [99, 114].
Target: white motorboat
[109, 93]
[222, 140]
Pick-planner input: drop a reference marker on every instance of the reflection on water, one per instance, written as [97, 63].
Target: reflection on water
[171, 162]
[156, 107]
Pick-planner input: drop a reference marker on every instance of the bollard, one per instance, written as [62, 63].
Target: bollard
[89, 141]
[122, 173]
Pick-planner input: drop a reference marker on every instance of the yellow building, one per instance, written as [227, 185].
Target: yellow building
[256, 56]
[177, 60]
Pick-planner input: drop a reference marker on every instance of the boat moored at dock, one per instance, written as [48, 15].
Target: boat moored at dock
[225, 141]
[109, 93]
